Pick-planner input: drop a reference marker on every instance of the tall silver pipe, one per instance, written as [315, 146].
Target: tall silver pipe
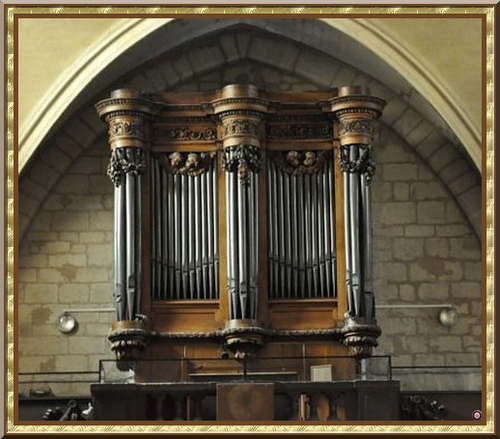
[314, 236]
[331, 207]
[130, 241]
[295, 236]
[215, 204]
[347, 237]
[307, 221]
[282, 236]
[287, 235]
[255, 274]
[321, 234]
[164, 215]
[271, 220]
[232, 244]
[302, 243]
[138, 267]
[171, 245]
[327, 230]
[178, 236]
[355, 249]
[198, 241]
[158, 231]
[119, 251]
[252, 244]
[243, 248]
[204, 234]
[185, 235]
[210, 229]
[153, 228]
[191, 236]
[276, 232]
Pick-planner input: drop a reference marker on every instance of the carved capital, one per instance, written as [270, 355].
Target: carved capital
[242, 159]
[363, 165]
[356, 110]
[187, 163]
[126, 112]
[125, 161]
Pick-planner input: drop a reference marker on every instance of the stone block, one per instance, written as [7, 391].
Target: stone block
[414, 231]
[463, 325]
[314, 66]
[465, 248]
[401, 191]
[56, 158]
[51, 275]
[396, 213]
[402, 361]
[74, 293]
[393, 111]
[466, 290]
[92, 274]
[414, 344]
[55, 247]
[437, 247]
[69, 145]
[168, 72]
[445, 155]
[28, 205]
[100, 255]
[73, 184]
[183, 67]
[393, 272]
[33, 261]
[390, 150]
[86, 165]
[87, 345]
[71, 363]
[452, 230]
[408, 249]
[228, 44]
[155, 79]
[97, 329]
[432, 268]
[463, 183]
[92, 237]
[429, 145]
[344, 76]
[70, 221]
[425, 173]
[206, 58]
[429, 360]
[454, 170]
[419, 133]
[390, 231]
[27, 274]
[400, 172]
[382, 191]
[33, 189]
[100, 184]
[446, 343]
[83, 203]
[431, 212]
[43, 174]
[57, 345]
[453, 213]
[101, 293]
[101, 221]
[80, 132]
[243, 42]
[408, 121]
[431, 190]
[462, 359]
[58, 261]
[407, 292]
[433, 291]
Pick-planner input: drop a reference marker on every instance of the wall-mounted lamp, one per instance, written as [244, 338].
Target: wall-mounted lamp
[67, 323]
[448, 317]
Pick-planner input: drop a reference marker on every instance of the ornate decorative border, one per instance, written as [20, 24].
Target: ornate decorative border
[271, 11]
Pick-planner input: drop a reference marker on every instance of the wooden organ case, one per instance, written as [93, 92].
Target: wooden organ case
[242, 225]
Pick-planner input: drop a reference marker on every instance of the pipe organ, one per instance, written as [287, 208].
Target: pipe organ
[242, 221]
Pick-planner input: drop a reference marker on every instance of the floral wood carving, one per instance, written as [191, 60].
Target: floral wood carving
[300, 162]
[185, 134]
[124, 161]
[363, 165]
[297, 131]
[187, 163]
[242, 159]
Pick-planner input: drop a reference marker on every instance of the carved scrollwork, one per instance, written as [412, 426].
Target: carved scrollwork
[300, 162]
[360, 336]
[298, 131]
[125, 128]
[124, 161]
[363, 165]
[184, 133]
[242, 159]
[239, 126]
[187, 163]
[356, 126]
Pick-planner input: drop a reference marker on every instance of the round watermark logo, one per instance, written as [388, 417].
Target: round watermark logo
[477, 415]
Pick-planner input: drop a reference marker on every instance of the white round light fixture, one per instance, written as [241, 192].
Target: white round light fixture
[66, 323]
[448, 317]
